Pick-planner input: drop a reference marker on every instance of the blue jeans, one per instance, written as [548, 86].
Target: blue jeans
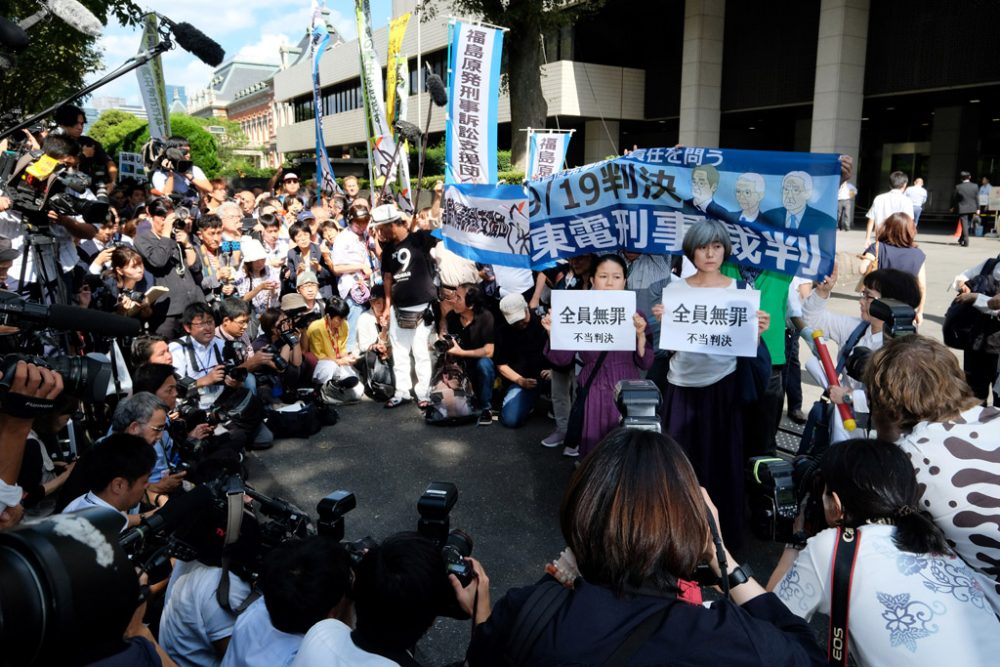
[482, 373]
[517, 405]
[352, 323]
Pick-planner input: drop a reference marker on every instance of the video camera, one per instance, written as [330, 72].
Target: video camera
[39, 184]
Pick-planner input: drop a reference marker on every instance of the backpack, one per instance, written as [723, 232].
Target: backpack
[452, 397]
[377, 375]
[965, 327]
[298, 420]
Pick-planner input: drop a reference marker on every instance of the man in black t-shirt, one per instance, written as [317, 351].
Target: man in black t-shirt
[520, 359]
[471, 326]
[408, 274]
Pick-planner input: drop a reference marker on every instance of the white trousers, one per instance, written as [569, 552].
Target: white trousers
[327, 369]
[407, 342]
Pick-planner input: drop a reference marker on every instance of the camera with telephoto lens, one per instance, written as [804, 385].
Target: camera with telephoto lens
[173, 158]
[777, 490]
[275, 351]
[83, 376]
[443, 344]
[434, 507]
[234, 353]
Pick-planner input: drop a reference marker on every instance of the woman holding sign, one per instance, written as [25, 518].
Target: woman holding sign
[597, 393]
[701, 406]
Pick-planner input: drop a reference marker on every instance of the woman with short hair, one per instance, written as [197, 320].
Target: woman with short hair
[912, 601]
[638, 526]
[920, 400]
[701, 405]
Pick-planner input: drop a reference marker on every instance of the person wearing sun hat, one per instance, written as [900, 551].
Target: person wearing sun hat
[257, 281]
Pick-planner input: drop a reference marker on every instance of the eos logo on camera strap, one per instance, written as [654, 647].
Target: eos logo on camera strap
[845, 555]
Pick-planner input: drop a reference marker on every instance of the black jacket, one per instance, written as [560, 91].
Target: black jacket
[594, 622]
[966, 198]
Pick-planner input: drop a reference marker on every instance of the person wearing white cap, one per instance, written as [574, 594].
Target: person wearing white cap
[520, 359]
[258, 282]
[408, 273]
[289, 186]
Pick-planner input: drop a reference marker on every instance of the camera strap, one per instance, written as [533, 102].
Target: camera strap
[845, 554]
[849, 345]
[234, 521]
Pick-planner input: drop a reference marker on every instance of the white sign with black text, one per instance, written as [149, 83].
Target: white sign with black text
[710, 320]
[593, 320]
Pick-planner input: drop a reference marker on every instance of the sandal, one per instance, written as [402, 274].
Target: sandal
[395, 402]
[423, 405]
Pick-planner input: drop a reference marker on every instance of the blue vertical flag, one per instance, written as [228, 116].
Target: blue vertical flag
[473, 97]
[547, 153]
[319, 38]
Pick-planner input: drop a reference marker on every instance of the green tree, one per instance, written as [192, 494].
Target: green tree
[527, 21]
[113, 127]
[58, 58]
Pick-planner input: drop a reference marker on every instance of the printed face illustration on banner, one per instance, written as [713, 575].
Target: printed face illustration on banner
[779, 208]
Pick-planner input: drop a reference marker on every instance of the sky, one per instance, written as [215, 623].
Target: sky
[250, 30]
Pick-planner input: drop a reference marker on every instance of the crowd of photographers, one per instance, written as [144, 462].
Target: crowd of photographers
[264, 311]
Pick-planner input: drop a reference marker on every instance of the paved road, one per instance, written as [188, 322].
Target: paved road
[509, 486]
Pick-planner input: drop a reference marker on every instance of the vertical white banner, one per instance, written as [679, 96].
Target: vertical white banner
[151, 84]
[474, 85]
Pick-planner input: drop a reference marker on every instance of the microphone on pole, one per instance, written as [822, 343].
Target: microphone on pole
[196, 42]
[439, 95]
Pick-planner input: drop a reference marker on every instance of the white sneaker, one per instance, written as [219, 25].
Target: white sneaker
[554, 439]
[572, 452]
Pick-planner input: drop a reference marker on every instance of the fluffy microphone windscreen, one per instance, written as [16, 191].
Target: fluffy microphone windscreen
[409, 132]
[71, 318]
[435, 86]
[76, 15]
[195, 41]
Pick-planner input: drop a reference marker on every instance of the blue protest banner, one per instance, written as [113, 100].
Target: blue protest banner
[486, 224]
[779, 208]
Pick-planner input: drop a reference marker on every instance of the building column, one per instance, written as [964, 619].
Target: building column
[596, 144]
[838, 94]
[701, 72]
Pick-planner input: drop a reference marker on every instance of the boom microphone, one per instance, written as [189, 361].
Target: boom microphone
[71, 12]
[195, 41]
[435, 86]
[76, 15]
[15, 311]
[409, 132]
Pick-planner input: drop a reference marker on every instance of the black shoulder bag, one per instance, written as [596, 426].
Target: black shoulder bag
[845, 554]
[574, 426]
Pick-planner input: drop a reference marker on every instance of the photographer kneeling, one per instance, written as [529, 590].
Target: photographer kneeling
[638, 526]
[219, 372]
[400, 587]
[160, 381]
[912, 601]
[279, 338]
[327, 340]
[855, 332]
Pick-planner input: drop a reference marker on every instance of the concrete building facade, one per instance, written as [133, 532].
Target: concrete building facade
[909, 85]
